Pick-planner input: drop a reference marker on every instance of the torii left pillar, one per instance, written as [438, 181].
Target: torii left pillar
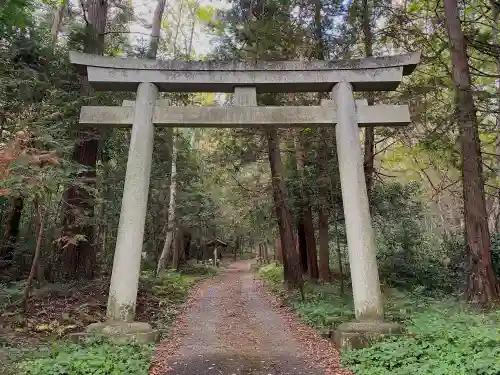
[120, 324]
[127, 260]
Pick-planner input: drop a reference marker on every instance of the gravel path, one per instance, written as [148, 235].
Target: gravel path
[231, 327]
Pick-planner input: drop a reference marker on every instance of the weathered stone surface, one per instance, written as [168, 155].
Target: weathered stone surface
[253, 116]
[239, 99]
[359, 230]
[245, 97]
[112, 79]
[409, 61]
[159, 102]
[364, 333]
[127, 259]
[120, 332]
[117, 74]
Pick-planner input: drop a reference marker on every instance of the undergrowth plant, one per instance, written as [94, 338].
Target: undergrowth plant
[94, 357]
[162, 297]
[439, 342]
[444, 336]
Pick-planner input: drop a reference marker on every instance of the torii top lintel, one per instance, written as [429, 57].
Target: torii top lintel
[125, 74]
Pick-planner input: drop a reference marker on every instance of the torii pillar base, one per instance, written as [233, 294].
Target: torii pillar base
[120, 333]
[362, 334]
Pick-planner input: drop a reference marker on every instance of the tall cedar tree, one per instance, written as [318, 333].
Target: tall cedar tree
[78, 256]
[369, 157]
[255, 16]
[482, 286]
[324, 180]
[305, 227]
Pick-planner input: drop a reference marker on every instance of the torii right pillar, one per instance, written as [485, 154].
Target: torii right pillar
[369, 324]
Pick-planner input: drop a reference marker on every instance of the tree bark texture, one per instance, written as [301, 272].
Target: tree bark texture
[266, 253]
[324, 183]
[306, 226]
[57, 21]
[494, 216]
[11, 233]
[78, 253]
[170, 225]
[293, 276]
[324, 180]
[39, 220]
[369, 155]
[278, 254]
[482, 286]
[312, 255]
[156, 29]
[169, 135]
[302, 244]
[178, 249]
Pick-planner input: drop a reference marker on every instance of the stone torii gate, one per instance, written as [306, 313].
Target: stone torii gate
[340, 78]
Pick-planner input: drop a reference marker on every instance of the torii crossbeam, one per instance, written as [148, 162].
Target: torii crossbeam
[245, 80]
[241, 117]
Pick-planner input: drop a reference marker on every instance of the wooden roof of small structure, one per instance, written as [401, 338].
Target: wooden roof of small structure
[216, 241]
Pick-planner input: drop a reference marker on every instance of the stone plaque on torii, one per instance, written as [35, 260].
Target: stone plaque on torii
[340, 78]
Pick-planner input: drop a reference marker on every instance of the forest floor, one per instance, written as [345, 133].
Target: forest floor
[231, 325]
[56, 310]
[54, 313]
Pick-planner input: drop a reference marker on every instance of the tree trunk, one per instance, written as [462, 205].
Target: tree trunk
[187, 247]
[324, 251]
[236, 248]
[293, 276]
[179, 243]
[494, 216]
[104, 192]
[57, 21]
[339, 255]
[312, 255]
[306, 226]
[152, 54]
[11, 233]
[369, 156]
[39, 219]
[323, 182]
[278, 254]
[170, 226]
[168, 180]
[156, 29]
[78, 258]
[482, 286]
[301, 244]
[266, 253]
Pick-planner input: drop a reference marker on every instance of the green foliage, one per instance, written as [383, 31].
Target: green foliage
[171, 287]
[199, 270]
[14, 14]
[407, 255]
[495, 241]
[323, 307]
[272, 273]
[91, 358]
[445, 337]
[441, 341]
[10, 292]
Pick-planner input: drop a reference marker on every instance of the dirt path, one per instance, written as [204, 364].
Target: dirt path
[231, 328]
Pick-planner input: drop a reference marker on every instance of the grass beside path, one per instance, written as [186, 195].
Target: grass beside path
[445, 336]
[37, 346]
